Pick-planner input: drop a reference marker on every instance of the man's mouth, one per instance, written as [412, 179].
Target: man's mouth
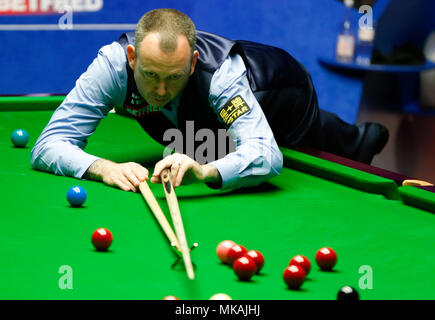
[159, 99]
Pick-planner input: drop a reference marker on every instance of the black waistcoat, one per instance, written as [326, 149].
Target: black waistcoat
[281, 85]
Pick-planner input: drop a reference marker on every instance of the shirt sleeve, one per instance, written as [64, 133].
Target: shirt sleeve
[59, 148]
[257, 157]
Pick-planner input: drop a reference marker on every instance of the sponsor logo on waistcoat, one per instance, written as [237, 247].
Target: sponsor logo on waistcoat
[42, 7]
[139, 108]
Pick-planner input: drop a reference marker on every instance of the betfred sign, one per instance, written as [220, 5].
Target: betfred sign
[32, 7]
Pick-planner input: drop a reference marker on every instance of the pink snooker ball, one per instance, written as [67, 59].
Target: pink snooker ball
[222, 250]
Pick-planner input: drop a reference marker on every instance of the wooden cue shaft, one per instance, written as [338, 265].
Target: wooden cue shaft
[158, 213]
[174, 209]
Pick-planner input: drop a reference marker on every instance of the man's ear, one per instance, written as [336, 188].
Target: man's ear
[131, 55]
[194, 60]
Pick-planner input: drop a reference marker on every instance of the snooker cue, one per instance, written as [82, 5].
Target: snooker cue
[174, 209]
[158, 213]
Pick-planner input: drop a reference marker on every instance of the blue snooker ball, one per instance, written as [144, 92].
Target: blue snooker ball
[20, 138]
[76, 196]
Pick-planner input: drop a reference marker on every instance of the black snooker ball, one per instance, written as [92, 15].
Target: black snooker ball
[348, 293]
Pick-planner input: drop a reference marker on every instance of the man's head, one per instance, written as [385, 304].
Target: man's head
[164, 55]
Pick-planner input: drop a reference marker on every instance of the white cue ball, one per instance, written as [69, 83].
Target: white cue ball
[220, 296]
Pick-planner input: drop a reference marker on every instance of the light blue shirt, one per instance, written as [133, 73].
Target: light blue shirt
[60, 147]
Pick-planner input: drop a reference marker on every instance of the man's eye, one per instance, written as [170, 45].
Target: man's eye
[175, 77]
[149, 74]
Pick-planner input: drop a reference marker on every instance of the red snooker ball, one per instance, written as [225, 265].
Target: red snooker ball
[257, 257]
[235, 252]
[102, 239]
[244, 268]
[222, 250]
[301, 261]
[326, 258]
[294, 276]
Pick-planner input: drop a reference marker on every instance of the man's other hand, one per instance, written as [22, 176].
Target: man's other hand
[126, 176]
[185, 170]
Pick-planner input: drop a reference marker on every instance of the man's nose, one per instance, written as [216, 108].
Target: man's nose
[161, 88]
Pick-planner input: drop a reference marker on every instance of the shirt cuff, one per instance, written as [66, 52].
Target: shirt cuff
[64, 159]
[87, 161]
[228, 172]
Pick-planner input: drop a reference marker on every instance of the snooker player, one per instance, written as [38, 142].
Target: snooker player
[167, 74]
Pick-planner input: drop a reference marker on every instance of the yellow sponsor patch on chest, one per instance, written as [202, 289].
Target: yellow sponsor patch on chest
[235, 108]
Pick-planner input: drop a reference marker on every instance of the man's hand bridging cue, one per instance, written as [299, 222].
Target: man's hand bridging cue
[126, 176]
[185, 170]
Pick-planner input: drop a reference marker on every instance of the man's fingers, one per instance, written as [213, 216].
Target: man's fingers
[180, 174]
[155, 179]
[135, 174]
[174, 171]
[158, 168]
[126, 176]
[133, 179]
[125, 184]
[165, 163]
[141, 172]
